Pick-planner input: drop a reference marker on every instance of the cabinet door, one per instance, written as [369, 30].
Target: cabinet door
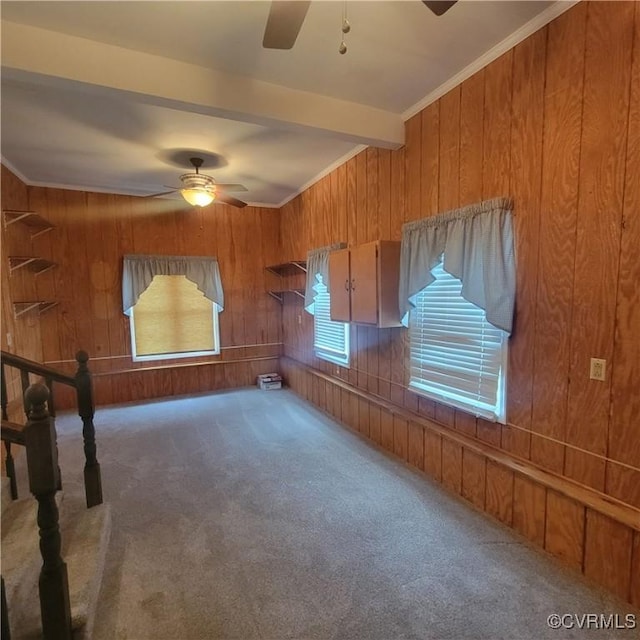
[364, 284]
[389, 277]
[339, 285]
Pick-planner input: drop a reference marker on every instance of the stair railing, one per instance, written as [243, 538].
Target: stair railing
[12, 433]
[39, 438]
[44, 480]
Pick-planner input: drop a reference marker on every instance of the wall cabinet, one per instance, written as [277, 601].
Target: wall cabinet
[364, 284]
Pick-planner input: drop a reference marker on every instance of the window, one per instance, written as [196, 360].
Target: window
[173, 319]
[456, 356]
[330, 339]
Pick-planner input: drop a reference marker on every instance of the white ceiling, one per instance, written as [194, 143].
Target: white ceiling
[115, 96]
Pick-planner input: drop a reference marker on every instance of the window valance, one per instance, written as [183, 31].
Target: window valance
[475, 244]
[139, 270]
[318, 262]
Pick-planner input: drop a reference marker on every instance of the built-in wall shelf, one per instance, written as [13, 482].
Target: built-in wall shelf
[33, 263]
[279, 295]
[36, 223]
[288, 268]
[20, 308]
[289, 278]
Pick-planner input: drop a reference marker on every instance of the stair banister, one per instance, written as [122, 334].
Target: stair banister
[9, 465]
[44, 475]
[86, 410]
[82, 383]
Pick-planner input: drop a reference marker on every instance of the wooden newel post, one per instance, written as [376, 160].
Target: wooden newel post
[8, 461]
[42, 463]
[84, 389]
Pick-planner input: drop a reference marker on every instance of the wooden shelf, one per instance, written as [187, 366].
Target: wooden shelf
[279, 295]
[288, 268]
[40, 306]
[31, 219]
[33, 263]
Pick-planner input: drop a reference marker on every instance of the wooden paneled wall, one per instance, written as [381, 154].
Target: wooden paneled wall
[594, 534]
[92, 233]
[18, 335]
[554, 123]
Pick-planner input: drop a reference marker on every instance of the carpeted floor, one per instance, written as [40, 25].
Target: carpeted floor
[249, 514]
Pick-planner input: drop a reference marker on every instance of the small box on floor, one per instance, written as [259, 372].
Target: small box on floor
[268, 381]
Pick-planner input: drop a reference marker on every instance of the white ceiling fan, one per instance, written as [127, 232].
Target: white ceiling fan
[286, 18]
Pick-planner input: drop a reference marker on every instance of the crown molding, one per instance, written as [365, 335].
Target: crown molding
[325, 172]
[535, 24]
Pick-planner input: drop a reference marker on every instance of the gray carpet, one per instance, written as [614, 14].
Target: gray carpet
[249, 514]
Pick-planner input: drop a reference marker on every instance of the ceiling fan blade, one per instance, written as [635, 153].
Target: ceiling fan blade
[439, 6]
[231, 187]
[164, 193]
[284, 23]
[227, 199]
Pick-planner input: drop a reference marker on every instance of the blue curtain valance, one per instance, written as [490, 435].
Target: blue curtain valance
[138, 272]
[318, 263]
[475, 244]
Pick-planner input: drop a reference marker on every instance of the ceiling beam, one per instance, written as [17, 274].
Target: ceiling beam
[61, 59]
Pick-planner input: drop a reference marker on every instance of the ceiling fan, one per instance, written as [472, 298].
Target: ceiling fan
[286, 18]
[200, 190]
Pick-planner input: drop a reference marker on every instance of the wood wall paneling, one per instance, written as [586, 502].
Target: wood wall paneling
[415, 445]
[433, 454]
[553, 123]
[474, 478]
[400, 437]
[92, 234]
[452, 466]
[386, 430]
[529, 509]
[557, 241]
[363, 417]
[384, 187]
[471, 138]
[601, 183]
[607, 556]
[623, 440]
[449, 149]
[375, 432]
[526, 173]
[564, 529]
[429, 162]
[499, 492]
[413, 157]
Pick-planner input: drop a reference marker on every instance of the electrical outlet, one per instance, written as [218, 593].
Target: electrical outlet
[598, 369]
[337, 371]
[9, 339]
[299, 318]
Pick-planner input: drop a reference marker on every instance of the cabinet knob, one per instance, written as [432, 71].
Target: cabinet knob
[353, 284]
[346, 284]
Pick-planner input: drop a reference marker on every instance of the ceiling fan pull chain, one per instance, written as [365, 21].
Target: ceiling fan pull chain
[346, 27]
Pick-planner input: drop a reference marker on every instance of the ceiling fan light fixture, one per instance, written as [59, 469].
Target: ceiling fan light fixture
[198, 197]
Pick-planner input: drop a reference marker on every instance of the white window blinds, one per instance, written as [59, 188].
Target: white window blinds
[330, 338]
[456, 356]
